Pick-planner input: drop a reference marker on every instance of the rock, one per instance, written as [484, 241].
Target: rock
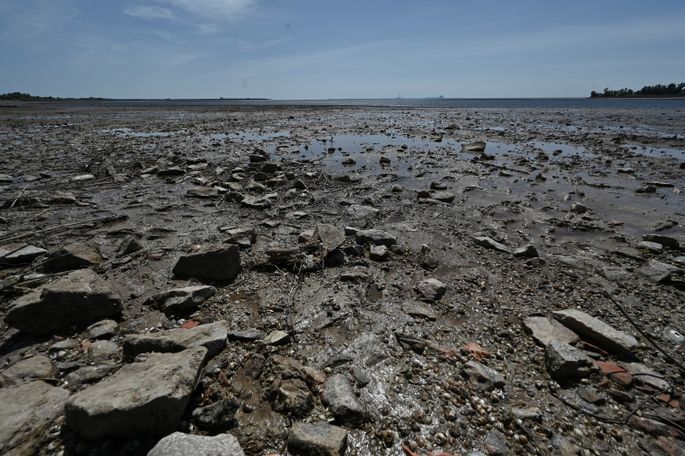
[340, 399]
[495, 443]
[245, 335]
[182, 301]
[445, 197]
[103, 349]
[438, 186]
[317, 439]
[431, 289]
[488, 242]
[596, 330]
[128, 246]
[102, 329]
[77, 298]
[180, 444]
[565, 362]
[14, 254]
[528, 251]
[34, 368]
[6, 179]
[211, 336]
[145, 397]
[666, 241]
[579, 208]
[545, 331]
[73, 256]
[354, 276]
[379, 253]
[330, 236]
[88, 374]
[292, 397]
[476, 146]
[26, 412]
[650, 246]
[171, 171]
[646, 189]
[658, 272]
[276, 338]
[643, 375]
[349, 161]
[358, 212]
[216, 417]
[482, 377]
[419, 310]
[212, 263]
[376, 237]
[202, 192]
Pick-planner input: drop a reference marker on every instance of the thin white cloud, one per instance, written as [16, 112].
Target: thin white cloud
[214, 9]
[150, 12]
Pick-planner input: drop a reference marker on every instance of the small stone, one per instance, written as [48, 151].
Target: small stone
[495, 443]
[37, 367]
[565, 362]
[445, 197]
[666, 241]
[376, 237]
[128, 246]
[292, 396]
[179, 444]
[476, 146]
[643, 375]
[182, 301]
[211, 336]
[102, 329]
[379, 253]
[482, 377]
[276, 338]
[340, 399]
[485, 241]
[431, 289]
[419, 310]
[579, 208]
[317, 439]
[528, 251]
[216, 417]
[650, 246]
[14, 254]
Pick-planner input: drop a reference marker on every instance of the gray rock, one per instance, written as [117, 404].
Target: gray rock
[128, 246]
[379, 252]
[545, 331]
[182, 301]
[645, 376]
[376, 237]
[79, 298]
[88, 374]
[102, 329]
[650, 246]
[26, 412]
[212, 263]
[482, 377]
[604, 335]
[340, 399]
[496, 443]
[488, 242]
[419, 310]
[565, 362]
[276, 338]
[445, 197]
[578, 208]
[6, 179]
[317, 439]
[245, 335]
[216, 417]
[666, 241]
[658, 272]
[528, 251]
[179, 444]
[361, 212]
[145, 397]
[19, 254]
[431, 289]
[476, 146]
[330, 236]
[210, 336]
[73, 256]
[292, 396]
[34, 368]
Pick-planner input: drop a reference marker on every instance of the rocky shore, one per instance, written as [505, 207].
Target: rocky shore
[341, 281]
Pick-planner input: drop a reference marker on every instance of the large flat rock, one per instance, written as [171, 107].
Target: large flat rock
[79, 298]
[211, 336]
[545, 330]
[210, 264]
[73, 256]
[33, 368]
[180, 444]
[596, 330]
[145, 397]
[26, 413]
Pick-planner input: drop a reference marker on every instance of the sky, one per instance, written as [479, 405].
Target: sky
[320, 49]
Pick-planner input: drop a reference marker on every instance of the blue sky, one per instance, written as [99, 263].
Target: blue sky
[337, 49]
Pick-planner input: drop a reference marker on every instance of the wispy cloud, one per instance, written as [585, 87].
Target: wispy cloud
[150, 12]
[214, 10]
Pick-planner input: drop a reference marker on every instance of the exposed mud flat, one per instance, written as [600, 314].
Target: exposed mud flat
[325, 312]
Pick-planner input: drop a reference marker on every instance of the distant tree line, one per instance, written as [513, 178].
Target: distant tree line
[659, 90]
[19, 96]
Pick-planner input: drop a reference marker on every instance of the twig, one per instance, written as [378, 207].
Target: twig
[18, 196]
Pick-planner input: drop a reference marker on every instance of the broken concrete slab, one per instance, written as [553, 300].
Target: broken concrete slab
[597, 331]
[211, 336]
[147, 397]
[78, 298]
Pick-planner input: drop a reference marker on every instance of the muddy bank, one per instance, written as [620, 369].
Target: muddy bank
[380, 271]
